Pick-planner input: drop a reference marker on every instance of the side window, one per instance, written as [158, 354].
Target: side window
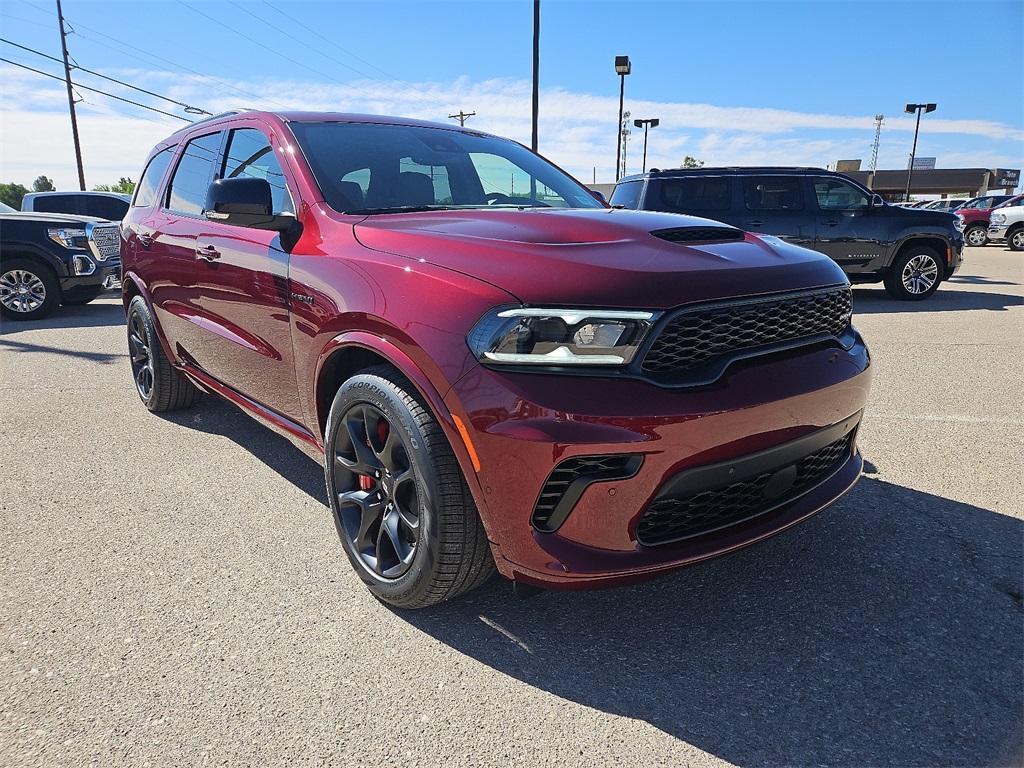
[56, 204]
[836, 195]
[250, 156]
[701, 193]
[149, 184]
[192, 177]
[104, 207]
[627, 194]
[773, 193]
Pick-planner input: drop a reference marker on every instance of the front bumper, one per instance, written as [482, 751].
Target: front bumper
[522, 426]
[997, 231]
[85, 271]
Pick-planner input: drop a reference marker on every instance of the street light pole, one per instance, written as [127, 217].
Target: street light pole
[645, 124]
[911, 109]
[536, 70]
[623, 68]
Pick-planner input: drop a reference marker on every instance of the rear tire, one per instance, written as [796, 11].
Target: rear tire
[28, 289]
[160, 386]
[915, 274]
[402, 508]
[76, 297]
[976, 236]
[1016, 239]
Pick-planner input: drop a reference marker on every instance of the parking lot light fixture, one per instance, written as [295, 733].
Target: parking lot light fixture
[622, 68]
[911, 109]
[652, 122]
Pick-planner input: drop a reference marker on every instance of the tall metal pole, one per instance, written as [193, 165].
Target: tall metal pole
[71, 98]
[536, 70]
[618, 128]
[646, 126]
[913, 152]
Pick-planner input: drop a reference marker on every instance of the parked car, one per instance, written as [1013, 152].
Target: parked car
[974, 216]
[949, 204]
[1007, 224]
[496, 369]
[911, 251]
[49, 259]
[111, 206]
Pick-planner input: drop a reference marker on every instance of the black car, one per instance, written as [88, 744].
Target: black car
[911, 250]
[49, 259]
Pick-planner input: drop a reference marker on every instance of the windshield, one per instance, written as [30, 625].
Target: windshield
[370, 168]
[4, 208]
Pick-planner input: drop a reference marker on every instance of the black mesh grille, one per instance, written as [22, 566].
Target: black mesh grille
[667, 520]
[592, 468]
[699, 337]
[700, 234]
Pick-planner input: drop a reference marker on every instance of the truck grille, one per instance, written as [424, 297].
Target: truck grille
[105, 242]
[703, 336]
[668, 520]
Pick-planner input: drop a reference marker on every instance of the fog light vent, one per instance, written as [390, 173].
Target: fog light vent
[571, 478]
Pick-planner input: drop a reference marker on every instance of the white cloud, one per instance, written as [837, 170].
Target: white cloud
[577, 129]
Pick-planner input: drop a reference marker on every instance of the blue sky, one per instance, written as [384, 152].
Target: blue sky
[733, 82]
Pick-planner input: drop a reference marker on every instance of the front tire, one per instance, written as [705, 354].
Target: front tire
[28, 290]
[1016, 239]
[160, 386]
[976, 236]
[402, 508]
[914, 275]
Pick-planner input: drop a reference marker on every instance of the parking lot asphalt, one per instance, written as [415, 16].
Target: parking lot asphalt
[174, 593]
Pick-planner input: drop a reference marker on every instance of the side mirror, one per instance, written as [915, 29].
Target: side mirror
[245, 203]
[599, 196]
[877, 201]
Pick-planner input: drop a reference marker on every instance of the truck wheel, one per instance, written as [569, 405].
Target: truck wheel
[1016, 239]
[28, 289]
[915, 274]
[160, 385]
[76, 297]
[976, 236]
[403, 511]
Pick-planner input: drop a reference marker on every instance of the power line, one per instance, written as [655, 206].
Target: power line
[96, 90]
[188, 107]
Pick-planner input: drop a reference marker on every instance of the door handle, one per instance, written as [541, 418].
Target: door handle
[207, 252]
[755, 223]
[144, 240]
[831, 222]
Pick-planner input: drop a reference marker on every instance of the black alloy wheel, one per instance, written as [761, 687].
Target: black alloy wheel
[140, 354]
[376, 490]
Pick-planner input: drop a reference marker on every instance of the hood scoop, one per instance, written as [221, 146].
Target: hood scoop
[700, 234]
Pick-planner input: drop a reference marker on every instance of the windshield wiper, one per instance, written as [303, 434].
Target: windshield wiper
[401, 209]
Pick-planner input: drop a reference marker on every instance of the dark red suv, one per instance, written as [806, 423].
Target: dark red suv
[496, 369]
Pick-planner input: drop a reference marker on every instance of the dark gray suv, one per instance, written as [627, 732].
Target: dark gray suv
[911, 250]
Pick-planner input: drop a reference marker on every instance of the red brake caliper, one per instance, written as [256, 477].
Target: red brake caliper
[383, 429]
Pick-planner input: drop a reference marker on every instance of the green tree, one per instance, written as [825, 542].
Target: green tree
[43, 184]
[692, 162]
[124, 185]
[12, 193]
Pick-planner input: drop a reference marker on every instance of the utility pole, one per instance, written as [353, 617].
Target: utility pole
[461, 117]
[536, 70]
[71, 97]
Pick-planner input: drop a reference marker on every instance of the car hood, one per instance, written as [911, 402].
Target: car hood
[52, 218]
[600, 257]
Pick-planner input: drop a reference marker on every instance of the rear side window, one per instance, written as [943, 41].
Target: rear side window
[698, 194]
[149, 184]
[250, 156]
[627, 194]
[773, 193]
[192, 177]
[55, 204]
[104, 207]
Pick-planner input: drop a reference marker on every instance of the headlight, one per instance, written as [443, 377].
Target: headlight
[531, 336]
[998, 218]
[69, 238]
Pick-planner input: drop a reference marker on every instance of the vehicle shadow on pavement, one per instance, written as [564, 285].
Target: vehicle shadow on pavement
[867, 301]
[885, 631]
[96, 357]
[978, 280]
[94, 315]
[218, 417]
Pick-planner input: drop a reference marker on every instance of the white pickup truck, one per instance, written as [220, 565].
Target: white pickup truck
[1007, 224]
